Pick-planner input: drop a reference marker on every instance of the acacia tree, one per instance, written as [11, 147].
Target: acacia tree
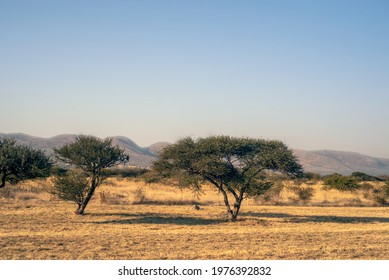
[237, 167]
[91, 155]
[19, 162]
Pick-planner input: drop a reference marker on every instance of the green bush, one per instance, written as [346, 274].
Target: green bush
[312, 176]
[127, 172]
[360, 176]
[305, 194]
[72, 186]
[58, 171]
[341, 183]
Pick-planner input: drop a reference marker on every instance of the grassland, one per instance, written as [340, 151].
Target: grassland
[33, 225]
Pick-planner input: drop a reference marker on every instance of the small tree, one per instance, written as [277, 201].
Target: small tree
[237, 167]
[19, 162]
[91, 155]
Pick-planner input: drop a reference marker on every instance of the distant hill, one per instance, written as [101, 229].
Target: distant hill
[156, 148]
[327, 162]
[322, 162]
[142, 157]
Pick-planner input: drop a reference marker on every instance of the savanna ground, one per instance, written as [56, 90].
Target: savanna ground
[34, 225]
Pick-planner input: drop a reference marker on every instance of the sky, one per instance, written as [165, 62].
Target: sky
[314, 74]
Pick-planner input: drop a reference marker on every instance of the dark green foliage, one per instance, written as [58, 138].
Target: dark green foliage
[341, 183]
[91, 155]
[235, 166]
[360, 176]
[18, 163]
[58, 171]
[127, 172]
[312, 176]
[304, 193]
[384, 178]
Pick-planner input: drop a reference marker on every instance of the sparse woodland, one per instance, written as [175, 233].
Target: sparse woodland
[133, 214]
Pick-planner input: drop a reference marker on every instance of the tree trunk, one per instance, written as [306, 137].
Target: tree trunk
[235, 213]
[78, 209]
[238, 201]
[81, 208]
[230, 213]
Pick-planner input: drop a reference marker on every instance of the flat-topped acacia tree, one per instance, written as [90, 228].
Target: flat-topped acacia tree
[20, 162]
[237, 167]
[91, 155]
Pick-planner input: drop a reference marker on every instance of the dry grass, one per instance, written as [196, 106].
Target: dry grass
[42, 228]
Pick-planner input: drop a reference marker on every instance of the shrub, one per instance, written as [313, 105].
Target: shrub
[139, 196]
[340, 183]
[73, 186]
[303, 193]
[19, 163]
[380, 199]
[107, 197]
[127, 172]
[58, 171]
[7, 193]
[272, 195]
[381, 196]
[104, 195]
[360, 176]
[312, 176]
[384, 178]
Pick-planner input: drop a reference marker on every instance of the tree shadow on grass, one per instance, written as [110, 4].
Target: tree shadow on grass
[155, 218]
[111, 214]
[319, 218]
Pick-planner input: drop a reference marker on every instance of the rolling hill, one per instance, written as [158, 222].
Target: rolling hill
[328, 162]
[322, 161]
[139, 156]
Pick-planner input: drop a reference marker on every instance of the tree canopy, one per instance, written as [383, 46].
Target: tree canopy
[19, 162]
[235, 166]
[91, 154]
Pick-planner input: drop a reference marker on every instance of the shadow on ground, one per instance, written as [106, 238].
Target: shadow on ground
[161, 219]
[319, 219]
[157, 218]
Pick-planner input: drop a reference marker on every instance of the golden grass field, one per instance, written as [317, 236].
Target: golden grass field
[33, 225]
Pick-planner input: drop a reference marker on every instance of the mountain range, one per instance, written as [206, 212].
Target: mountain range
[321, 161]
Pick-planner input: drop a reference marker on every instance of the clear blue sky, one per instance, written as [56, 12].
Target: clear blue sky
[314, 74]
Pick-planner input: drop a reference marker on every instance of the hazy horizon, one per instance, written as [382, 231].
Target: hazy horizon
[162, 141]
[314, 75]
